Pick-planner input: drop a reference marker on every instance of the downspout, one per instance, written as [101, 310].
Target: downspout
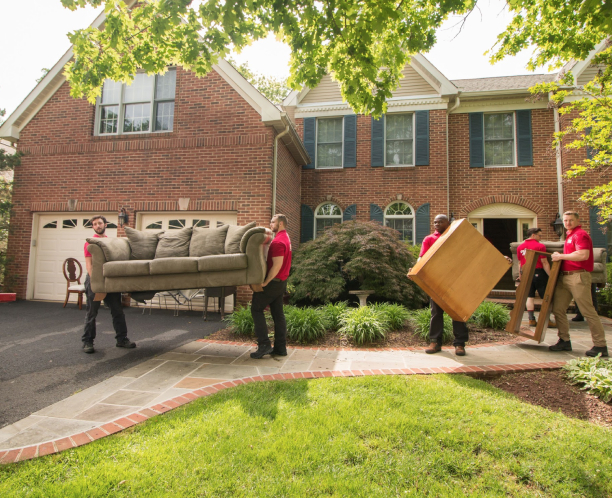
[559, 164]
[455, 105]
[275, 167]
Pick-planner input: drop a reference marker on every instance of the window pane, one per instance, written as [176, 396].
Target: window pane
[86, 223]
[399, 126]
[323, 223]
[499, 126]
[154, 226]
[329, 130]
[499, 153]
[136, 117]
[111, 91]
[398, 152]
[329, 210]
[176, 224]
[109, 117]
[403, 226]
[201, 223]
[72, 223]
[140, 89]
[329, 156]
[220, 224]
[165, 85]
[399, 209]
[164, 116]
[52, 224]
[110, 224]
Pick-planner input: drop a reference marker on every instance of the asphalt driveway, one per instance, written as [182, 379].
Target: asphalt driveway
[41, 360]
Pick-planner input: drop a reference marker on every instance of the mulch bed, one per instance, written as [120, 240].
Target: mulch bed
[404, 338]
[551, 390]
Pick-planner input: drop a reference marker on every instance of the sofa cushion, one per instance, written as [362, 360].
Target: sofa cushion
[114, 248]
[208, 241]
[163, 266]
[234, 236]
[222, 262]
[143, 244]
[174, 243]
[125, 268]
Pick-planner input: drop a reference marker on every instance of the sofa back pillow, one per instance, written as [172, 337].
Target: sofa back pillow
[208, 241]
[143, 244]
[173, 243]
[234, 236]
[114, 248]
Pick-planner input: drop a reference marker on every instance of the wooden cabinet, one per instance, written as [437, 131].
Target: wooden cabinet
[459, 270]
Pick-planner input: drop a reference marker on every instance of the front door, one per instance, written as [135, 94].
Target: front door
[501, 232]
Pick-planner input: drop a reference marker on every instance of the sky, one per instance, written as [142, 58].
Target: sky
[34, 35]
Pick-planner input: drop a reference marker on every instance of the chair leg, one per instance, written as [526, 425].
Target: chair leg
[67, 297]
[80, 300]
[206, 307]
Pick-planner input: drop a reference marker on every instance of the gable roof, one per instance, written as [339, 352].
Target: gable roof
[498, 83]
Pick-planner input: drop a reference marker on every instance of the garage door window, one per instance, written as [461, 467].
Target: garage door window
[87, 224]
[201, 223]
[176, 224]
[53, 224]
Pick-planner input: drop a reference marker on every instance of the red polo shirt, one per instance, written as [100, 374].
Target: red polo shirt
[428, 242]
[87, 253]
[533, 244]
[281, 246]
[577, 239]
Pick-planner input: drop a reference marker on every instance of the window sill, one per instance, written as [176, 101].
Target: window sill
[331, 169]
[506, 166]
[391, 166]
[131, 136]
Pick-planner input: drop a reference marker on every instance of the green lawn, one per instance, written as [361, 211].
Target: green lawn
[433, 436]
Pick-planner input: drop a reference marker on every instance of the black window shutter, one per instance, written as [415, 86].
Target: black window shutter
[524, 140]
[422, 138]
[599, 238]
[350, 141]
[376, 214]
[476, 140]
[422, 222]
[378, 142]
[350, 213]
[310, 142]
[307, 223]
[590, 152]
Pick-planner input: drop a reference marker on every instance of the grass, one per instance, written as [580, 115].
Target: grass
[442, 436]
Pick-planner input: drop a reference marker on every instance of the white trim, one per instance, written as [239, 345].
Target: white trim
[580, 66]
[498, 106]
[446, 87]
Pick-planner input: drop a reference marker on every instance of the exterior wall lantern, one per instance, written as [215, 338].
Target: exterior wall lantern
[558, 225]
[123, 217]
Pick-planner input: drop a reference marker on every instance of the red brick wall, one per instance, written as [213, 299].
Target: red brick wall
[219, 155]
[288, 191]
[534, 187]
[365, 185]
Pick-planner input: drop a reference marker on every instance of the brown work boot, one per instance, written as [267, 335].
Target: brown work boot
[532, 323]
[434, 347]
[552, 324]
[460, 350]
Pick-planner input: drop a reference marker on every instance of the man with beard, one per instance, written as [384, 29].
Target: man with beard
[112, 300]
[274, 286]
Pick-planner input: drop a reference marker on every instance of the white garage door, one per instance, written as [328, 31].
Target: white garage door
[181, 219]
[62, 236]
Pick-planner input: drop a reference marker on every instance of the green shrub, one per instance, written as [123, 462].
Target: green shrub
[595, 375]
[604, 296]
[305, 324]
[333, 312]
[422, 318]
[364, 324]
[241, 321]
[396, 314]
[491, 315]
[415, 250]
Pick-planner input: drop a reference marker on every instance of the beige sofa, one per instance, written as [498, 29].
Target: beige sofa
[600, 256]
[117, 269]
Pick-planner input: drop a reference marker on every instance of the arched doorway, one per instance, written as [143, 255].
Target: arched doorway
[502, 224]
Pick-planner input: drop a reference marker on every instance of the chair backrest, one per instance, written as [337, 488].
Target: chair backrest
[70, 270]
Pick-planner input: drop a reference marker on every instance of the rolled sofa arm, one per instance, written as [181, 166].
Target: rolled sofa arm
[252, 244]
[97, 262]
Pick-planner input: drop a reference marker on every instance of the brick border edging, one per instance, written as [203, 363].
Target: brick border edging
[55, 446]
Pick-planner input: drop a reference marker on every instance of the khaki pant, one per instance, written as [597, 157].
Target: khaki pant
[578, 286]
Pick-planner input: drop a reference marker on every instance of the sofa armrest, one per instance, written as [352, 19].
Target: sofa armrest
[97, 262]
[247, 235]
[254, 250]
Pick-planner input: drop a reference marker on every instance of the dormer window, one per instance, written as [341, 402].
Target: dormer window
[147, 105]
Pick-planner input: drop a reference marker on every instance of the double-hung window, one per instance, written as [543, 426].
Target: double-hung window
[399, 140]
[329, 143]
[499, 140]
[147, 105]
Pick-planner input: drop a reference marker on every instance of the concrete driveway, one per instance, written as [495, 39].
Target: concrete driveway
[41, 360]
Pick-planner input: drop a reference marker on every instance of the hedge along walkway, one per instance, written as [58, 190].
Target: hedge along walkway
[205, 367]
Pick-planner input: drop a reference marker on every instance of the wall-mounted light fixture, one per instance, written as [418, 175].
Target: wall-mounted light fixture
[183, 203]
[558, 225]
[452, 218]
[72, 204]
[123, 217]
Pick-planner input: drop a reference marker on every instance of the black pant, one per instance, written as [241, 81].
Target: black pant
[436, 327]
[113, 301]
[272, 295]
[539, 283]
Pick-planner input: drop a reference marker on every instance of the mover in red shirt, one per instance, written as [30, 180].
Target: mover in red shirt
[540, 276]
[436, 326]
[274, 287]
[575, 282]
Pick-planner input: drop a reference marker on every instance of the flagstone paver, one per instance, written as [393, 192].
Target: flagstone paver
[204, 367]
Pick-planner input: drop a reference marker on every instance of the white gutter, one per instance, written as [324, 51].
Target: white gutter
[559, 164]
[455, 105]
[274, 167]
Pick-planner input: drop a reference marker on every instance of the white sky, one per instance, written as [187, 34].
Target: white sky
[34, 36]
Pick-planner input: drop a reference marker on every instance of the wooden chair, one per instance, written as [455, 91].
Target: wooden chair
[220, 293]
[73, 282]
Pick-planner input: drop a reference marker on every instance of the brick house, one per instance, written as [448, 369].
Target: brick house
[174, 150]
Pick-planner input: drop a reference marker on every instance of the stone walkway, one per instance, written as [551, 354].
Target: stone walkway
[204, 367]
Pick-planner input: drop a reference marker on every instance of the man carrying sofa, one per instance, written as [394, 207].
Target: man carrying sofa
[112, 300]
[272, 292]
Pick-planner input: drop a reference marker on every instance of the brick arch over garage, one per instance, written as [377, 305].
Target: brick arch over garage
[499, 199]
